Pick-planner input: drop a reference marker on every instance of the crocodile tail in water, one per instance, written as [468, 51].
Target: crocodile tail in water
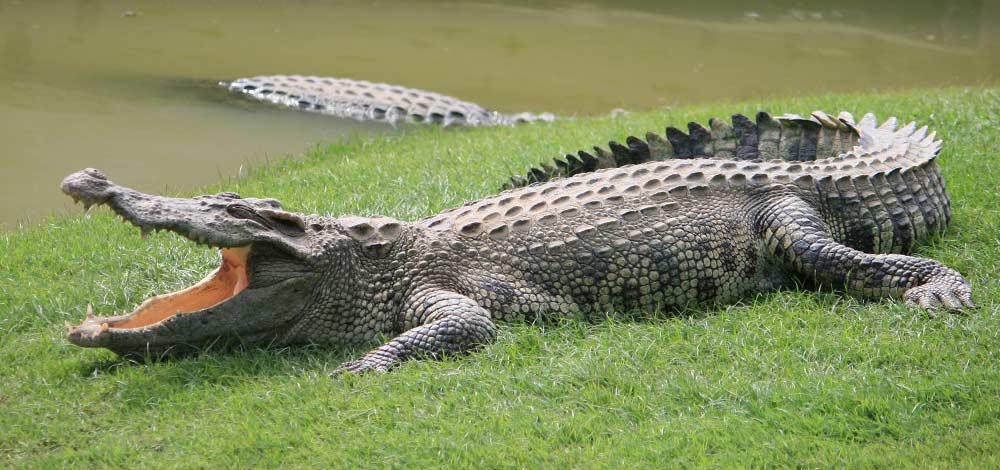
[368, 101]
[789, 137]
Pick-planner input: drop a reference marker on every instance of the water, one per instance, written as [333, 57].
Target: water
[125, 86]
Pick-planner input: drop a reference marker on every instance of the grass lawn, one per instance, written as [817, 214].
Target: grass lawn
[790, 378]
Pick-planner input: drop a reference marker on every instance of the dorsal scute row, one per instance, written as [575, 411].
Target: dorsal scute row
[647, 184]
[828, 142]
[360, 99]
[370, 101]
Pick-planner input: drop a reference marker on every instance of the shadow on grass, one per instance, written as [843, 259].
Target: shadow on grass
[222, 362]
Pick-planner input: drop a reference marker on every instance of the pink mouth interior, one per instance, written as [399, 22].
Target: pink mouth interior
[219, 286]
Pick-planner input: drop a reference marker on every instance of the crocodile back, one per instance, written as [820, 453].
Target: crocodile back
[790, 138]
[368, 101]
[875, 184]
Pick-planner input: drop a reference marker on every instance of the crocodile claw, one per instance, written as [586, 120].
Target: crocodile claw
[937, 295]
[360, 366]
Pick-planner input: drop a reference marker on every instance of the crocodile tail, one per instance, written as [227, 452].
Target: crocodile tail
[789, 137]
[368, 101]
[882, 179]
[892, 181]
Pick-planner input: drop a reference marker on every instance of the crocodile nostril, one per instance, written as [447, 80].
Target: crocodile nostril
[95, 173]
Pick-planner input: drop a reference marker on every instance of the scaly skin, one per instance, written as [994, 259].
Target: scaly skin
[708, 218]
[366, 101]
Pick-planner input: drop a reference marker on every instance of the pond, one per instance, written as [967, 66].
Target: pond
[130, 86]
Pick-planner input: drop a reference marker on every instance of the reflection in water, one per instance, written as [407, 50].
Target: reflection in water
[82, 84]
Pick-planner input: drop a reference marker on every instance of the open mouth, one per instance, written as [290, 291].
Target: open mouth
[220, 285]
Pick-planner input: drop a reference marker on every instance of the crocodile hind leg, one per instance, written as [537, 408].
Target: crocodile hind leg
[450, 324]
[794, 233]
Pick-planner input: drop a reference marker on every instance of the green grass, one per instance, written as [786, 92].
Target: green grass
[791, 379]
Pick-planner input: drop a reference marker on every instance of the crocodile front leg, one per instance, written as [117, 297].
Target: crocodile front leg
[452, 324]
[794, 233]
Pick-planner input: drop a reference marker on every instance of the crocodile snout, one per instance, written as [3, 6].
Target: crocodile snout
[89, 185]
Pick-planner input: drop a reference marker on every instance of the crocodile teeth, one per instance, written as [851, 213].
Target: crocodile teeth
[90, 312]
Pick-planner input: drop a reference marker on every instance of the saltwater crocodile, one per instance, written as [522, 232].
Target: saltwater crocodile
[368, 101]
[707, 217]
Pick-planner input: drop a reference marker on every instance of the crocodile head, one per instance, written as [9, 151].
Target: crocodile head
[264, 282]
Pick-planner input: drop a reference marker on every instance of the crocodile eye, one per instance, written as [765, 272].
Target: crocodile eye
[230, 195]
[288, 224]
[376, 249]
[242, 211]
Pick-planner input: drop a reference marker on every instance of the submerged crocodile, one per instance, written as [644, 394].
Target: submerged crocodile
[367, 101]
[702, 218]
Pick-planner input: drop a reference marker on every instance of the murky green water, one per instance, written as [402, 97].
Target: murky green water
[120, 85]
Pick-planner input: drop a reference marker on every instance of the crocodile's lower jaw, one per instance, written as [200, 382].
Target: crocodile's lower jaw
[220, 285]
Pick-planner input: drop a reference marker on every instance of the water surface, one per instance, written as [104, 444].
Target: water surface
[122, 86]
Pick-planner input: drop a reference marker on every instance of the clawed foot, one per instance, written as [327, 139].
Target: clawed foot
[951, 294]
[369, 363]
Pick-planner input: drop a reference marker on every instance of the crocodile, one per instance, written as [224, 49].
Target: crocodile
[706, 217]
[368, 101]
